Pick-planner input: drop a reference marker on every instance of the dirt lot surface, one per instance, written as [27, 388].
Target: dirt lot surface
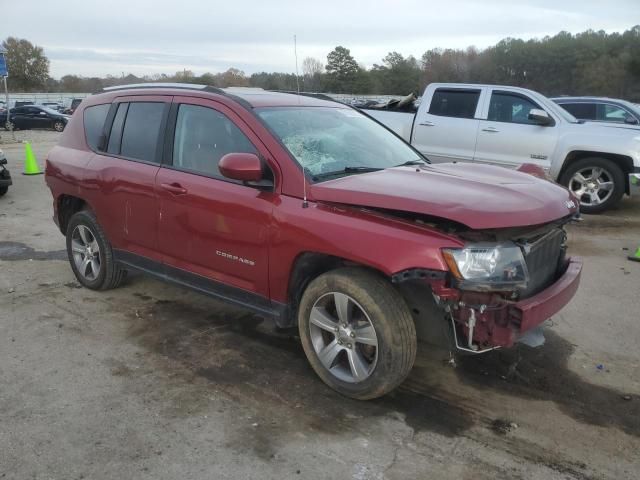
[152, 382]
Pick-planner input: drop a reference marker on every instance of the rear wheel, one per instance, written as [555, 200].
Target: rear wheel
[90, 253]
[598, 183]
[357, 332]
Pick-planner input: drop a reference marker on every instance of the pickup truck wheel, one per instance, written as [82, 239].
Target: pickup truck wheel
[357, 332]
[597, 182]
[90, 253]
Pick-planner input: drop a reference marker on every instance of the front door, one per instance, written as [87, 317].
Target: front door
[508, 138]
[211, 226]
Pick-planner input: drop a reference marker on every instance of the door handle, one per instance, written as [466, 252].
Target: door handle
[427, 123]
[490, 130]
[174, 188]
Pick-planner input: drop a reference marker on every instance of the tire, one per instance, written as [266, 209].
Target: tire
[8, 126]
[84, 230]
[379, 315]
[58, 126]
[3, 191]
[579, 177]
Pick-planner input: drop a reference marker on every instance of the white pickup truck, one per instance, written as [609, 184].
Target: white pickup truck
[511, 126]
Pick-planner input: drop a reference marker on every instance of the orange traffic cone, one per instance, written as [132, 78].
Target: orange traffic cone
[30, 163]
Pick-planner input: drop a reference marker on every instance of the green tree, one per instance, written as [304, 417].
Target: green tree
[342, 70]
[28, 66]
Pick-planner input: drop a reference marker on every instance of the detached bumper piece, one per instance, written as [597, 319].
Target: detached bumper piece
[491, 321]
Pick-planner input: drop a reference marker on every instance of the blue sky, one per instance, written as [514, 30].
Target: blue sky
[146, 37]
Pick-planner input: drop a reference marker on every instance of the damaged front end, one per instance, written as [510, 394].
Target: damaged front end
[502, 284]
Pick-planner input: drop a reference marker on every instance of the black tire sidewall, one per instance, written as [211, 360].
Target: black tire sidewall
[59, 122]
[357, 283]
[612, 169]
[87, 219]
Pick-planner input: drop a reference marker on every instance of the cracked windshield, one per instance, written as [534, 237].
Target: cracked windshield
[327, 141]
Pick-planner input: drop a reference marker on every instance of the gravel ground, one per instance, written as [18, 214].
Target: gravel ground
[150, 381]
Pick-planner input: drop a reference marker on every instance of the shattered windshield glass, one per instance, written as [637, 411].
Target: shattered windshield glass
[325, 139]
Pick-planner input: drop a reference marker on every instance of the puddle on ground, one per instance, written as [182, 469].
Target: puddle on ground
[13, 251]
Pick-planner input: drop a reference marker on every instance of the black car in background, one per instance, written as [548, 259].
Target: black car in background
[601, 109]
[34, 116]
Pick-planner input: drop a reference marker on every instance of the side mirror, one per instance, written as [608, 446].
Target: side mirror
[245, 167]
[629, 120]
[540, 117]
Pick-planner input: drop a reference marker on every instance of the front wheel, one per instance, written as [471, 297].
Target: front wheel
[598, 183]
[357, 332]
[9, 126]
[58, 126]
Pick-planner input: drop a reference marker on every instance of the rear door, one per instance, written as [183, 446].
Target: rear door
[508, 138]
[213, 231]
[446, 131]
[123, 175]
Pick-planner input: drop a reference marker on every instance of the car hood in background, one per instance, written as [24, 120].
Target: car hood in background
[478, 196]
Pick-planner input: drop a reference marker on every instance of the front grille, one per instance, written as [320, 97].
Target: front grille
[543, 258]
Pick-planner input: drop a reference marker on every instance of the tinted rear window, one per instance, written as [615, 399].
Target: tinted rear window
[141, 131]
[454, 103]
[582, 111]
[94, 118]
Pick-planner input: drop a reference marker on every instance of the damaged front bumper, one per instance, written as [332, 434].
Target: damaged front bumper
[488, 320]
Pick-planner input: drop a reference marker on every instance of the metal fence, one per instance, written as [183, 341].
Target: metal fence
[63, 98]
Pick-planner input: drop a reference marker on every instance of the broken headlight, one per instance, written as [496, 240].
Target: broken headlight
[488, 266]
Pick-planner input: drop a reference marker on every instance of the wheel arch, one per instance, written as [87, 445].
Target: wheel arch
[66, 206]
[305, 268]
[623, 161]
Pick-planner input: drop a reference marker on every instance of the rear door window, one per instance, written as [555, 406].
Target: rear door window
[141, 132]
[94, 118]
[116, 129]
[456, 103]
[582, 111]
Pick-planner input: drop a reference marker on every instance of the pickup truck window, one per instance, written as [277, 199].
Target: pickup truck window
[325, 139]
[458, 103]
[203, 136]
[510, 108]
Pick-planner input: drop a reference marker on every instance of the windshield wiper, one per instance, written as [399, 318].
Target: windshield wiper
[417, 161]
[335, 173]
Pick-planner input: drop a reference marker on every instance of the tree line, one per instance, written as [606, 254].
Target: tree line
[587, 63]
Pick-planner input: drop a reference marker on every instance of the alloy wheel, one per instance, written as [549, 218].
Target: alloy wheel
[86, 252]
[343, 337]
[592, 185]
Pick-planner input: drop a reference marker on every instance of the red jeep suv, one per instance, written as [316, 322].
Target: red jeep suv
[312, 213]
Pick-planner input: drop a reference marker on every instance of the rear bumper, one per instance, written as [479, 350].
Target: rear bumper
[634, 183]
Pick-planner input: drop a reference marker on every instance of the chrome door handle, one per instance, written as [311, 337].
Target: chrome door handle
[427, 123]
[490, 130]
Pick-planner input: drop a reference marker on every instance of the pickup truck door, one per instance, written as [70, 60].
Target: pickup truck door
[446, 127]
[508, 138]
[213, 231]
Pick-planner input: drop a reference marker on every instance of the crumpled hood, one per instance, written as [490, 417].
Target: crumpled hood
[478, 196]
